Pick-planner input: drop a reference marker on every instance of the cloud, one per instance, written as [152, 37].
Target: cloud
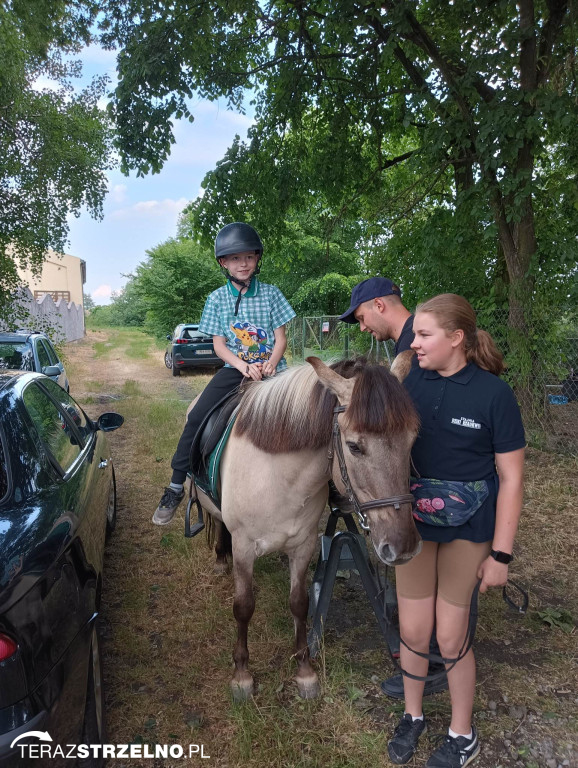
[147, 209]
[117, 193]
[102, 292]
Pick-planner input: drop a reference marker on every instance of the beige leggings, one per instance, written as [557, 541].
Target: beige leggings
[448, 568]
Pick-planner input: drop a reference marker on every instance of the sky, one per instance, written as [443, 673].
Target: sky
[140, 213]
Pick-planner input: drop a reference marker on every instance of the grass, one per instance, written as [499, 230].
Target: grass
[169, 629]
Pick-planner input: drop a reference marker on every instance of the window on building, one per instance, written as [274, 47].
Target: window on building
[55, 295]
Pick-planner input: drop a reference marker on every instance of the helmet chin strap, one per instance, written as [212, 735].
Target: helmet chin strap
[242, 283]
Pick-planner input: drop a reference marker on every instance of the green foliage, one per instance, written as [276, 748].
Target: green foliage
[442, 148]
[557, 617]
[88, 303]
[327, 295]
[54, 143]
[169, 288]
[100, 317]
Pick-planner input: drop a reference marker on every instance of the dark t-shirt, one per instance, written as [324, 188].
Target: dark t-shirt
[465, 420]
[405, 337]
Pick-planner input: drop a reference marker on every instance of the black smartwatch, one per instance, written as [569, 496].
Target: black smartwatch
[501, 557]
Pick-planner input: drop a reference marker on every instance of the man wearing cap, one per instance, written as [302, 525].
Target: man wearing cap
[376, 305]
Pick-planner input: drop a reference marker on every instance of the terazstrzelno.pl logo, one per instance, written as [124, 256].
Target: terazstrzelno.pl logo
[47, 749]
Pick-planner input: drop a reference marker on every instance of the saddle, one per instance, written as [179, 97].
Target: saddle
[209, 443]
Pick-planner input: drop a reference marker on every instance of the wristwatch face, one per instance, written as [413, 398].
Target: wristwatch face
[501, 557]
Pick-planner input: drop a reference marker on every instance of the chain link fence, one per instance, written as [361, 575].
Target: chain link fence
[542, 366]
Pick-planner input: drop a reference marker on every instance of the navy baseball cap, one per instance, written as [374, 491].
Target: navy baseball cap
[369, 289]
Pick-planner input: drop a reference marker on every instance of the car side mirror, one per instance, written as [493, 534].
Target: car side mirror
[51, 370]
[108, 422]
[169, 337]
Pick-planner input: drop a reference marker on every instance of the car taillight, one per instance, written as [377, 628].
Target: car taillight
[7, 647]
[182, 341]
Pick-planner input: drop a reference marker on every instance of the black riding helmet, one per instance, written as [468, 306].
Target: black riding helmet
[237, 238]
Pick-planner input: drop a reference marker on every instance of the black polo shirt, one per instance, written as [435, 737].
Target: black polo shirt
[405, 337]
[465, 420]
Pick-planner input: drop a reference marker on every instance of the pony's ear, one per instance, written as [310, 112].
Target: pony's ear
[402, 364]
[333, 381]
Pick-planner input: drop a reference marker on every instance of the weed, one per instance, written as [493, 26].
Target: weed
[557, 617]
[131, 388]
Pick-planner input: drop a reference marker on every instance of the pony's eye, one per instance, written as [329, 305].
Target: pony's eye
[354, 448]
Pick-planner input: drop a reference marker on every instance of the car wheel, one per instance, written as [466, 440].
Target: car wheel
[168, 360]
[93, 727]
[176, 371]
[111, 507]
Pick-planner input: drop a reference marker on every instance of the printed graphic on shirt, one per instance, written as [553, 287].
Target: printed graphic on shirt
[463, 421]
[250, 343]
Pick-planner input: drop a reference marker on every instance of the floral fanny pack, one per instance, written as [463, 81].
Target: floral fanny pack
[447, 502]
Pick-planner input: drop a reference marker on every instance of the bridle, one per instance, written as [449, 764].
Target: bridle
[358, 508]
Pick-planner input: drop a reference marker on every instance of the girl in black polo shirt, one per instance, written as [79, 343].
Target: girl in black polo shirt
[471, 433]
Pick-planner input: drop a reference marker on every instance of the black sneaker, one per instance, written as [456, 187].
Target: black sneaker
[455, 753]
[405, 739]
[167, 507]
[393, 686]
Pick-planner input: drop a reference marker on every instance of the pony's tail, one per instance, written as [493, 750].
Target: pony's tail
[485, 353]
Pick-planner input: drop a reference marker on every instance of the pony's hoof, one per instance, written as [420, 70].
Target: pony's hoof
[308, 688]
[241, 690]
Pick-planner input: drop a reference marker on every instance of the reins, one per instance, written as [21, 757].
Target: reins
[359, 508]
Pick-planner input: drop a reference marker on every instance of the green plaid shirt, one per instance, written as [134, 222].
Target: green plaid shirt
[251, 333]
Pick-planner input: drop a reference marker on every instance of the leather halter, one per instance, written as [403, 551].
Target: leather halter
[360, 509]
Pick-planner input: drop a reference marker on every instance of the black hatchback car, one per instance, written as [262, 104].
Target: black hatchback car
[57, 503]
[31, 351]
[189, 348]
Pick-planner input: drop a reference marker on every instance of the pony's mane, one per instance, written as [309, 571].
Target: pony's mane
[294, 410]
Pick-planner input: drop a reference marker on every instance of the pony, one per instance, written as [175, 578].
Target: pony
[353, 423]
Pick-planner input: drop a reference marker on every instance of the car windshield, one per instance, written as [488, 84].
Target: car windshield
[16, 355]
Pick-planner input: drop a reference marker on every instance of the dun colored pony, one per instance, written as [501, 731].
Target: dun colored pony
[275, 470]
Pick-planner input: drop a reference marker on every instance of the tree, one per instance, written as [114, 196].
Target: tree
[54, 143]
[88, 303]
[381, 108]
[173, 284]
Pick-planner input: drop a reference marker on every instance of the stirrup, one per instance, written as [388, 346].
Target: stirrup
[191, 531]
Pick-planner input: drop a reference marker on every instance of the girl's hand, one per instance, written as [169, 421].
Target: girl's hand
[252, 371]
[269, 369]
[492, 574]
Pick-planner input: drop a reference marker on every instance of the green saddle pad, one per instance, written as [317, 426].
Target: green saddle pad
[210, 482]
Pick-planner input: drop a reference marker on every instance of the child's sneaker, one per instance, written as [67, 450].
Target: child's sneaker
[455, 752]
[167, 507]
[405, 738]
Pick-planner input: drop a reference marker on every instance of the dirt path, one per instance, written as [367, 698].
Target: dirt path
[168, 628]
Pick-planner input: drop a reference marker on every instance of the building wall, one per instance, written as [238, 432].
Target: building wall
[60, 272]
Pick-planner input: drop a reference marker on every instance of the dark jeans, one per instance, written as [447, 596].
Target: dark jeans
[223, 382]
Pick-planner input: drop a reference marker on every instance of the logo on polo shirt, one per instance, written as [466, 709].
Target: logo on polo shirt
[463, 421]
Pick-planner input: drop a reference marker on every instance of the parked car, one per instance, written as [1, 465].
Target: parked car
[189, 348]
[31, 351]
[57, 504]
